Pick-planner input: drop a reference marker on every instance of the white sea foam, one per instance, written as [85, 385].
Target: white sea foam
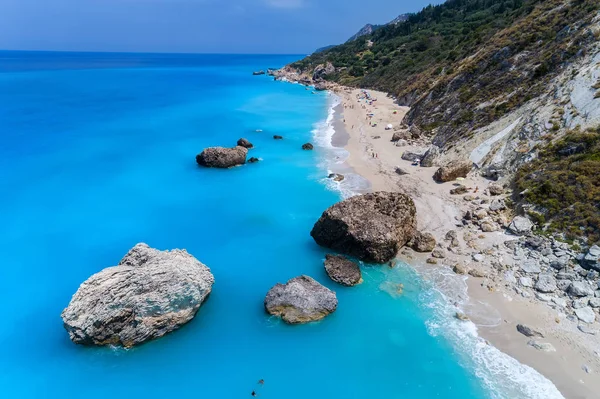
[334, 158]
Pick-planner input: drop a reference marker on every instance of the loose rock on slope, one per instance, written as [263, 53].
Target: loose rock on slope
[220, 157]
[149, 294]
[300, 300]
[342, 270]
[371, 227]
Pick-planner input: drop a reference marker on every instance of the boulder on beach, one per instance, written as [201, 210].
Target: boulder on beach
[452, 171]
[460, 189]
[423, 242]
[277, 137]
[342, 270]
[412, 156]
[221, 157]
[149, 294]
[430, 156]
[307, 146]
[244, 143]
[400, 171]
[336, 177]
[300, 300]
[371, 227]
[400, 135]
[495, 189]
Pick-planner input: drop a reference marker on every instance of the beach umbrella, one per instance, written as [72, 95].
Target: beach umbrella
[389, 126]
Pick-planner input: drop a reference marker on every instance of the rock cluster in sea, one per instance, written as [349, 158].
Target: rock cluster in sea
[300, 300]
[147, 295]
[371, 227]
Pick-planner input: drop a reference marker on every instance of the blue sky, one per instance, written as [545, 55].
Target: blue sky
[214, 26]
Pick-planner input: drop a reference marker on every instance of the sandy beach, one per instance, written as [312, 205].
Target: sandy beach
[574, 364]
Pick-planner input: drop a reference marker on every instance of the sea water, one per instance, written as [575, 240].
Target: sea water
[97, 153]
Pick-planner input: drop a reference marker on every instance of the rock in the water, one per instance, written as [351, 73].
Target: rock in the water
[300, 300]
[423, 242]
[371, 227]
[542, 346]
[257, 73]
[220, 157]
[277, 137]
[336, 176]
[412, 156]
[461, 316]
[460, 269]
[586, 314]
[452, 171]
[342, 270]
[546, 283]
[253, 160]
[244, 143]
[149, 294]
[529, 332]
[307, 146]
[520, 226]
[430, 156]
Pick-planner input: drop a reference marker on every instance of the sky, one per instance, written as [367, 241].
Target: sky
[190, 26]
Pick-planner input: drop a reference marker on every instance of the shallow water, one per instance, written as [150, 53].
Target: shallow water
[97, 154]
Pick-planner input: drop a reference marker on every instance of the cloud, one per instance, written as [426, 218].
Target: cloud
[285, 3]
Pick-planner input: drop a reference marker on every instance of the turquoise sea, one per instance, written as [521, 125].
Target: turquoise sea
[97, 153]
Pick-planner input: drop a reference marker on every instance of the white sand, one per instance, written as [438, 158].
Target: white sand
[439, 212]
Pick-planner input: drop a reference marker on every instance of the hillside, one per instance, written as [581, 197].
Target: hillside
[464, 53]
[499, 82]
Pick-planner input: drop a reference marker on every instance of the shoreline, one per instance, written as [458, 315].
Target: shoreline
[372, 156]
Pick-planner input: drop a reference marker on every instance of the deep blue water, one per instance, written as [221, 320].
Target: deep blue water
[97, 153]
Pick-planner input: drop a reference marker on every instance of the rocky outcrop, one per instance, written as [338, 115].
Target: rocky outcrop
[149, 294]
[244, 143]
[300, 300]
[423, 242]
[342, 270]
[452, 171]
[371, 227]
[322, 71]
[336, 177]
[307, 146]
[320, 86]
[431, 156]
[520, 226]
[591, 260]
[221, 157]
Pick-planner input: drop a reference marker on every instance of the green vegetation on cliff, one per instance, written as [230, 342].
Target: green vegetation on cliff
[465, 63]
[563, 184]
